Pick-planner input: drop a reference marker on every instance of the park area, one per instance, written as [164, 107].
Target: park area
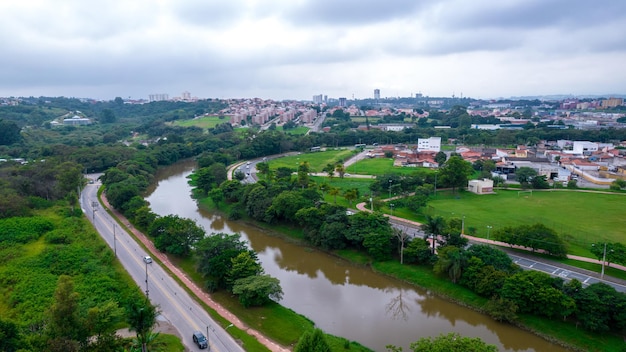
[580, 218]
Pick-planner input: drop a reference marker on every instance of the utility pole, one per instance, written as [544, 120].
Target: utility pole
[94, 205]
[114, 240]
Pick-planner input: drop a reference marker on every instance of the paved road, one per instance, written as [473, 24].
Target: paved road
[176, 306]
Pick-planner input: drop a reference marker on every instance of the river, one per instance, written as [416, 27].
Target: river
[343, 299]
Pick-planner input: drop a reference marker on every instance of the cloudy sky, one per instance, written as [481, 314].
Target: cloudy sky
[293, 49]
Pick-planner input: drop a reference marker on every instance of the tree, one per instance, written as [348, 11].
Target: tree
[363, 223]
[216, 195]
[303, 174]
[176, 235]
[65, 326]
[243, 265]
[455, 172]
[264, 169]
[501, 310]
[540, 182]
[312, 341]
[351, 194]
[452, 342]
[451, 262]
[334, 191]
[141, 318]
[618, 184]
[9, 132]
[525, 175]
[214, 256]
[340, 170]
[600, 308]
[418, 251]
[378, 246]
[286, 204]
[102, 321]
[107, 116]
[434, 225]
[440, 158]
[9, 336]
[257, 290]
[402, 237]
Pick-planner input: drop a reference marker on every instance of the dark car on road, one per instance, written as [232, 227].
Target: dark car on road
[200, 340]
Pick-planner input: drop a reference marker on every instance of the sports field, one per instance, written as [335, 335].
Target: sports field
[580, 217]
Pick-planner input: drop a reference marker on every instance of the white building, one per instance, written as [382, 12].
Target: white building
[483, 186]
[584, 147]
[432, 144]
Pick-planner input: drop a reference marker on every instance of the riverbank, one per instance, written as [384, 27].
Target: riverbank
[559, 332]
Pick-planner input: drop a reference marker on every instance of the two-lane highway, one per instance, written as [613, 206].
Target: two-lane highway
[175, 304]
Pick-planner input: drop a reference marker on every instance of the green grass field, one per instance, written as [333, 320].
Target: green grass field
[378, 166]
[581, 218]
[204, 122]
[316, 160]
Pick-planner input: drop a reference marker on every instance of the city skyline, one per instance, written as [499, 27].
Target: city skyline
[294, 50]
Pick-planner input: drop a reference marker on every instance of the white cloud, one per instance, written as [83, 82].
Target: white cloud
[297, 48]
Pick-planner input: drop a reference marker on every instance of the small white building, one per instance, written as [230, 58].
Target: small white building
[584, 147]
[484, 186]
[432, 144]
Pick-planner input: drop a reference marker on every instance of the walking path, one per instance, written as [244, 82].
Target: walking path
[199, 293]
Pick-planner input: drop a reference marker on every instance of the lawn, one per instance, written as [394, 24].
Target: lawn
[362, 184]
[378, 166]
[204, 122]
[317, 160]
[581, 218]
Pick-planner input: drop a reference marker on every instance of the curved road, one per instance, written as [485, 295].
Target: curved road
[175, 304]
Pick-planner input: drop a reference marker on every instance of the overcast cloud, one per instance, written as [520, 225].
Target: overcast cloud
[288, 49]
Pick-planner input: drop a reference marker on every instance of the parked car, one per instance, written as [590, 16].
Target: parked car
[200, 340]
[147, 259]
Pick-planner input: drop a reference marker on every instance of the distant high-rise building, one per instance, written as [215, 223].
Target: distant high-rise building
[318, 99]
[158, 97]
[377, 94]
[342, 102]
[186, 95]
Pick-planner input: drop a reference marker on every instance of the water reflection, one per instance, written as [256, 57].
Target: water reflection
[341, 298]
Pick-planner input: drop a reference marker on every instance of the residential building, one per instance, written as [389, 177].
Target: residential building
[432, 144]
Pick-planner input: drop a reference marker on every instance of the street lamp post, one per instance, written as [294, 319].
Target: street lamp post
[391, 206]
[390, 182]
[147, 291]
[488, 228]
[372, 204]
[603, 260]
[463, 225]
[208, 342]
